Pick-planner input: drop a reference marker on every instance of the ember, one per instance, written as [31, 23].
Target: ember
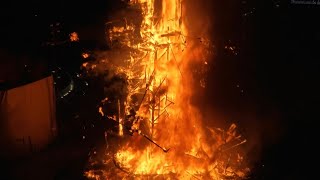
[160, 133]
[74, 37]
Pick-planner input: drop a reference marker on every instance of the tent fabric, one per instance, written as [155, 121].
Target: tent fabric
[27, 117]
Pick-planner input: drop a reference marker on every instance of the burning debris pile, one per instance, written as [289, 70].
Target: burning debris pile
[150, 76]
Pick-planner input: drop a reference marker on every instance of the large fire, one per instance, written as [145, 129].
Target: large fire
[157, 57]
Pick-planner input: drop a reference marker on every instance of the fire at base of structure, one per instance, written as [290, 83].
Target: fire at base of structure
[157, 57]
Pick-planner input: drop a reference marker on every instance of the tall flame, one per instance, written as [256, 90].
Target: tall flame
[162, 60]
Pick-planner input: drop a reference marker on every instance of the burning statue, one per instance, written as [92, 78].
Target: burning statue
[159, 133]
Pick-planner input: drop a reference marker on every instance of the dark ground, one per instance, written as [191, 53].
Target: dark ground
[277, 68]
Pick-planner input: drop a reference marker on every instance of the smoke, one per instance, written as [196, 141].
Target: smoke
[222, 96]
[198, 16]
[231, 94]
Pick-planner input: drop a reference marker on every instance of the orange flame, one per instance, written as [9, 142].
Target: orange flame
[166, 110]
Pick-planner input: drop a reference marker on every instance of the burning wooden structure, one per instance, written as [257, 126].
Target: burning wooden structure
[155, 54]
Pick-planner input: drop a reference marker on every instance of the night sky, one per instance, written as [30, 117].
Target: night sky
[270, 86]
[279, 69]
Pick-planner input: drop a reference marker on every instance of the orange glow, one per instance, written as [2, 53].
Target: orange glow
[74, 36]
[162, 60]
[85, 55]
[85, 64]
[101, 111]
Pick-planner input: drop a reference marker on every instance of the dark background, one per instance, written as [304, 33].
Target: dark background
[277, 67]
